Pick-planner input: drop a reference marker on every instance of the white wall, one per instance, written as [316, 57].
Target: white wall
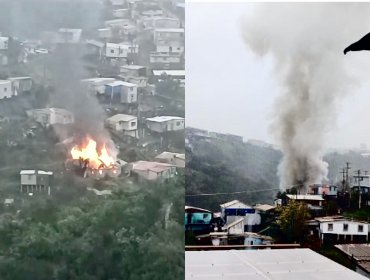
[338, 228]
[129, 94]
[57, 117]
[116, 51]
[159, 35]
[104, 33]
[156, 58]
[5, 89]
[28, 179]
[171, 46]
[4, 41]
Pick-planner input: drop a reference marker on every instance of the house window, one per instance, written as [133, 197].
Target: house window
[330, 227]
[345, 227]
[360, 228]
[133, 123]
[178, 123]
[111, 51]
[5, 89]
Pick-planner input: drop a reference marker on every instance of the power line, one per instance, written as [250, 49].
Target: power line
[250, 191]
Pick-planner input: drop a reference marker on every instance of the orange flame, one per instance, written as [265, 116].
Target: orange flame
[89, 152]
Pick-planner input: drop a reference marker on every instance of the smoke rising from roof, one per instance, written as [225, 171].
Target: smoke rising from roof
[306, 41]
[64, 66]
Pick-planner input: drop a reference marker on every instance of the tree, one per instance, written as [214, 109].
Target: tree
[122, 236]
[292, 219]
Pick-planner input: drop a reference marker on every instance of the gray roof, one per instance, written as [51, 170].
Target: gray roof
[279, 264]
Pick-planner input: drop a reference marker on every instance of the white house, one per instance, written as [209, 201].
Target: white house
[234, 210]
[4, 43]
[172, 158]
[152, 13]
[117, 22]
[177, 75]
[5, 89]
[20, 84]
[104, 33]
[51, 116]
[124, 123]
[96, 86]
[35, 181]
[132, 47]
[164, 59]
[169, 40]
[69, 35]
[121, 13]
[176, 34]
[133, 70]
[314, 202]
[170, 46]
[120, 91]
[165, 123]
[135, 74]
[161, 22]
[149, 170]
[112, 50]
[341, 228]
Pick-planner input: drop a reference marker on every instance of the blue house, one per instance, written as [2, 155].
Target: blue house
[234, 210]
[198, 220]
[113, 91]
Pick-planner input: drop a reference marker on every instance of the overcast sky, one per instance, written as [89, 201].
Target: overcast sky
[230, 89]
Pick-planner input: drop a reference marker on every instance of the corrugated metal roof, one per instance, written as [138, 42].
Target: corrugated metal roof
[121, 117]
[264, 207]
[305, 197]
[164, 118]
[32, 172]
[279, 264]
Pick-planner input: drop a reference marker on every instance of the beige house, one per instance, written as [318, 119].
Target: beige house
[172, 158]
[51, 116]
[162, 124]
[35, 181]
[123, 123]
[153, 171]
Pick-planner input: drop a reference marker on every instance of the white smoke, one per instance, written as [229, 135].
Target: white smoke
[306, 41]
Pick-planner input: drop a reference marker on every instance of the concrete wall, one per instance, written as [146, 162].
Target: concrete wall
[5, 89]
[28, 179]
[129, 94]
[338, 228]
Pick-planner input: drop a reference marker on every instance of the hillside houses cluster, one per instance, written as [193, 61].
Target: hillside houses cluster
[135, 47]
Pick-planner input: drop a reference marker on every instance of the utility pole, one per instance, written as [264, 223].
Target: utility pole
[347, 172]
[359, 188]
[343, 172]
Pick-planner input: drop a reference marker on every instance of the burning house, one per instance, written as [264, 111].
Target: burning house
[92, 160]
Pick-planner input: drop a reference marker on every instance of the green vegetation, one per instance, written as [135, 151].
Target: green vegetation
[360, 214]
[292, 219]
[218, 166]
[122, 236]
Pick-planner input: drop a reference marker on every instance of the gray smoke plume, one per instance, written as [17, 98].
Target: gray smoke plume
[306, 41]
[64, 66]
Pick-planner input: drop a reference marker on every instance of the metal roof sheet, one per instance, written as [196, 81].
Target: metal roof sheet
[279, 264]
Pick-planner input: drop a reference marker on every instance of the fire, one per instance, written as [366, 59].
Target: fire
[90, 153]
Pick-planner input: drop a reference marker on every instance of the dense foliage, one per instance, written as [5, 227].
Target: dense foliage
[292, 219]
[132, 234]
